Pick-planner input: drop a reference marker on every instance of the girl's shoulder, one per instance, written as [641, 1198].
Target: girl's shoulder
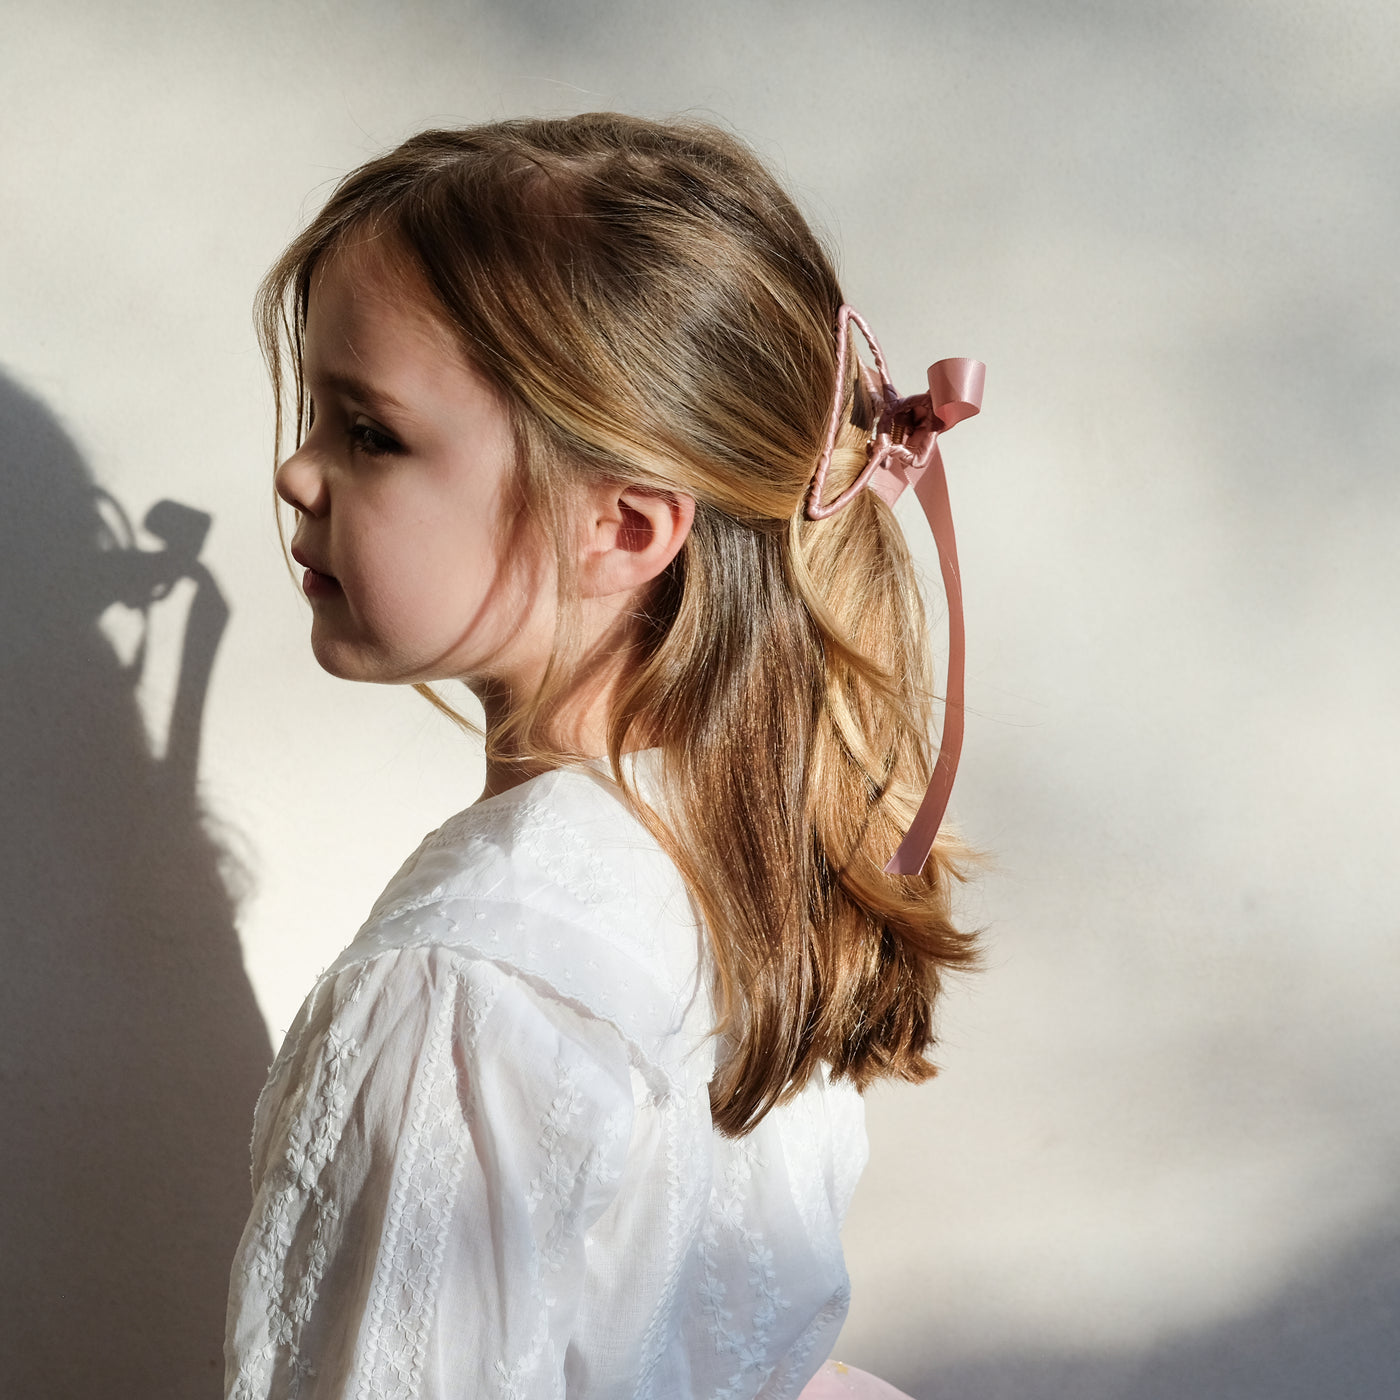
[558, 882]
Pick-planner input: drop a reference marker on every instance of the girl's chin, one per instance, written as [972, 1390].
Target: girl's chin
[342, 659]
[347, 660]
[342, 649]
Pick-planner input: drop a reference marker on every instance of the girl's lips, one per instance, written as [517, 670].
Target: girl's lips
[314, 583]
[318, 585]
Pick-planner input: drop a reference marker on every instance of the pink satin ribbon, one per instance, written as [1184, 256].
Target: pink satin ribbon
[954, 393]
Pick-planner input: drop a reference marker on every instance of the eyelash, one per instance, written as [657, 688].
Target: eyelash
[371, 441]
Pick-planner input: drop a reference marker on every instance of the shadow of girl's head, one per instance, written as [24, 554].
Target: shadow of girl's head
[53, 538]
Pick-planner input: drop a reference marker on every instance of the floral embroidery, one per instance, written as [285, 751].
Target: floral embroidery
[565, 857]
[291, 1187]
[553, 1178]
[654, 1344]
[426, 1179]
[744, 1328]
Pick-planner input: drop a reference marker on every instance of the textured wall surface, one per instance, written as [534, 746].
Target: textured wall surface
[1162, 1159]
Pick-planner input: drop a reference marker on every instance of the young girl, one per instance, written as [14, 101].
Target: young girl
[580, 422]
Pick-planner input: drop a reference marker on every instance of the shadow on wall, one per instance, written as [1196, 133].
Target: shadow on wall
[131, 1048]
[1332, 1336]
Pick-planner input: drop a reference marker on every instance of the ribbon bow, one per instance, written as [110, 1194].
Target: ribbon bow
[904, 452]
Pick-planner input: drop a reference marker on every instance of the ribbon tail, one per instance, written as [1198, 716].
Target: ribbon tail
[931, 488]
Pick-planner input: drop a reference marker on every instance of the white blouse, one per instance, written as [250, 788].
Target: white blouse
[484, 1165]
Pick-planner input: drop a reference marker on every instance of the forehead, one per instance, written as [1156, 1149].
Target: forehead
[366, 298]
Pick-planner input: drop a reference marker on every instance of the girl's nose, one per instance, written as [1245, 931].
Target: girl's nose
[301, 484]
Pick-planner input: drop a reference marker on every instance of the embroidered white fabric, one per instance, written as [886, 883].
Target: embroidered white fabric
[484, 1165]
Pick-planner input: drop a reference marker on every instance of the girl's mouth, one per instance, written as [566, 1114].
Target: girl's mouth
[318, 585]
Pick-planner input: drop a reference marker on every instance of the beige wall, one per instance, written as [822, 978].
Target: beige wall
[1162, 1159]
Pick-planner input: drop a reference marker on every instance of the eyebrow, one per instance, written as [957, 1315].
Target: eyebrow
[348, 386]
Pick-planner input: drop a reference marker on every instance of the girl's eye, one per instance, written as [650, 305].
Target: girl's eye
[372, 441]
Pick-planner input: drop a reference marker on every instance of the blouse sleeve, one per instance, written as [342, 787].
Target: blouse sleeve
[432, 1145]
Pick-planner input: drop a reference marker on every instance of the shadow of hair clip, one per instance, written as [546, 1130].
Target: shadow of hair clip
[139, 577]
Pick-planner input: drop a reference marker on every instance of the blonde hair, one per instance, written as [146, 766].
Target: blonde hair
[655, 311]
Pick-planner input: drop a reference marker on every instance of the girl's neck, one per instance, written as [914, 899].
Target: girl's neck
[501, 776]
[578, 718]
[580, 726]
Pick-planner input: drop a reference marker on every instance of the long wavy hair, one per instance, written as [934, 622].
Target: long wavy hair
[655, 311]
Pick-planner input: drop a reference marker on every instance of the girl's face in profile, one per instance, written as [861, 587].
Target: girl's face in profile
[413, 569]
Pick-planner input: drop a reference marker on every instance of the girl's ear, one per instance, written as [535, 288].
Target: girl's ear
[630, 535]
